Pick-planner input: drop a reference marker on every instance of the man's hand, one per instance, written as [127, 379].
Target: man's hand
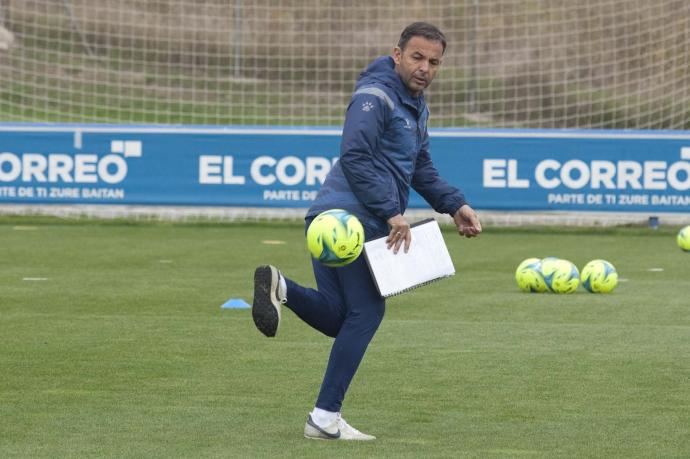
[400, 232]
[467, 222]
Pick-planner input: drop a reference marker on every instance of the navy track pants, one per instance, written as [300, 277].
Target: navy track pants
[347, 307]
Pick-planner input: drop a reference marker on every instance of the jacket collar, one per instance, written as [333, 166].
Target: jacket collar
[382, 71]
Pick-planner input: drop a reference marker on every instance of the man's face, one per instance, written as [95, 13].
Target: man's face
[418, 63]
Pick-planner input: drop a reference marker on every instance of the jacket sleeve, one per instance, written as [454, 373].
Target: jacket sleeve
[365, 122]
[426, 181]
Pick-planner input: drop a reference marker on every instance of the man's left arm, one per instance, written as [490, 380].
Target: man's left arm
[443, 197]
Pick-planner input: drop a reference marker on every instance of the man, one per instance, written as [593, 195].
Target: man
[384, 151]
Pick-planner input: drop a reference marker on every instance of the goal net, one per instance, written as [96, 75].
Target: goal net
[509, 63]
[589, 64]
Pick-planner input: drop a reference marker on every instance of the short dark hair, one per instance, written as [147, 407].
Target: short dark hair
[421, 29]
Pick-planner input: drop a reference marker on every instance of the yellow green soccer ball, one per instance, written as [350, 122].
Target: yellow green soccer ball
[599, 276]
[528, 276]
[560, 276]
[335, 238]
[683, 239]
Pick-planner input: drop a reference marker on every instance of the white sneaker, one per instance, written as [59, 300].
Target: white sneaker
[269, 294]
[339, 429]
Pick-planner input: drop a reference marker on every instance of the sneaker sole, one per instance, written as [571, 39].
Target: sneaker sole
[308, 437]
[264, 310]
[323, 438]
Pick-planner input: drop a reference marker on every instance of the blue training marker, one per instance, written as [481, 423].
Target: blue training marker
[235, 303]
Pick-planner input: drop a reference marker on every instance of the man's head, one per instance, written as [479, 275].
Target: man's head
[418, 55]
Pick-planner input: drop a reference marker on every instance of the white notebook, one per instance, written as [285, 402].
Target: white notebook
[427, 260]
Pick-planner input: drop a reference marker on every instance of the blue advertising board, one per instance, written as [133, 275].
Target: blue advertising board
[631, 171]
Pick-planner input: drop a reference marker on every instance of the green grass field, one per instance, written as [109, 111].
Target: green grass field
[122, 349]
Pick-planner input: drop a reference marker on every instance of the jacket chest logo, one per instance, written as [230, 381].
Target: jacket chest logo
[407, 125]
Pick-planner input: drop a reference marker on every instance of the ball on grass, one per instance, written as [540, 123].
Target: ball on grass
[528, 276]
[599, 276]
[560, 276]
[683, 239]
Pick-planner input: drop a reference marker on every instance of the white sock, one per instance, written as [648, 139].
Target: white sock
[283, 289]
[323, 418]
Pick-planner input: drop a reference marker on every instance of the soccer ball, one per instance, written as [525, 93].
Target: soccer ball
[528, 276]
[599, 276]
[335, 237]
[683, 239]
[560, 276]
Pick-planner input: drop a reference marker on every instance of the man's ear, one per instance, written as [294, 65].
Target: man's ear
[397, 55]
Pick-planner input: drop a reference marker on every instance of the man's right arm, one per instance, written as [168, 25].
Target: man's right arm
[364, 126]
